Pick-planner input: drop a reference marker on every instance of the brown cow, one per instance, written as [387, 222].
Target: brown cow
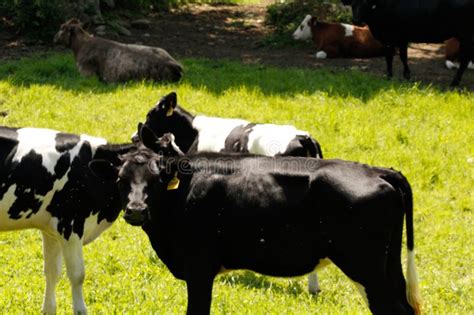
[116, 62]
[335, 40]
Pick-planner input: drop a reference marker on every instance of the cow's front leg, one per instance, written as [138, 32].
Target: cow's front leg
[313, 284]
[52, 272]
[72, 251]
[199, 294]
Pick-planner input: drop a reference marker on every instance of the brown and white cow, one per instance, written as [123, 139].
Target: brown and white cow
[335, 40]
[452, 54]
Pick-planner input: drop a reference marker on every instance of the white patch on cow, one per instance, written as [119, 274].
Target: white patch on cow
[451, 65]
[303, 32]
[93, 228]
[455, 65]
[362, 292]
[270, 140]
[42, 142]
[321, 55]
[137, 192]
[213, 131]
[348, 29]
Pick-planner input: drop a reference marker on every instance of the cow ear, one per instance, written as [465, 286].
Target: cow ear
[313, 21]
[168, 103]
[147, 136]
[103, 169]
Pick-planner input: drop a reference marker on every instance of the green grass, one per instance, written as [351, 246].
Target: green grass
[426, 133]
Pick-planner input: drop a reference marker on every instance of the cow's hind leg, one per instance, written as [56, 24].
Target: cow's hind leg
[72, 251]
[465, 55]
[403, 47]
[369, 274]
[52, 271]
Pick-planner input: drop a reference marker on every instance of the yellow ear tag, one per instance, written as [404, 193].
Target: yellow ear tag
[173, 183]
[169, 112]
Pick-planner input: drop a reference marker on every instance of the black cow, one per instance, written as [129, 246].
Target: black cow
[282, 216]
[45, 183]
[213, 134]
[397, 22]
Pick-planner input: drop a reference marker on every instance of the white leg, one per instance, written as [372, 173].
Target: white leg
[313, 284]
[52, 272]
[72, 251]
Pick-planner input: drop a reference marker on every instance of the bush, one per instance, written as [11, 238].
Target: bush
[285, 17]
[40, 19]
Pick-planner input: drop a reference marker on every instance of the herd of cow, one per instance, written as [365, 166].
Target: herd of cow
[216, 194]
[242, 196]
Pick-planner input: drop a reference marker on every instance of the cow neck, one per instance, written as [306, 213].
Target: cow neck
[111, 152]
[78, 41]
[182, 128]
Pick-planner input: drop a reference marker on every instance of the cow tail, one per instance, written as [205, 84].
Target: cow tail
[413, 291]
[311, 146]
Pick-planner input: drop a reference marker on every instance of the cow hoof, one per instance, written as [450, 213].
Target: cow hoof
[314, 292]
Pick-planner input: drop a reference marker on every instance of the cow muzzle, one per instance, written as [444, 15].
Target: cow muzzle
[136, 216]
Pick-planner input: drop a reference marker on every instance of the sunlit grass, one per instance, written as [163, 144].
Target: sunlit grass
[426, 133]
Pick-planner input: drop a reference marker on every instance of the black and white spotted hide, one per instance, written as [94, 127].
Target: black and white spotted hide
[45, 183]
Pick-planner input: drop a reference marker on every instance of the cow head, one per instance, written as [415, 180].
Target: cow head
[361, 10]
[142, 174]
[159, 118]
[303, 32]
[68, 31]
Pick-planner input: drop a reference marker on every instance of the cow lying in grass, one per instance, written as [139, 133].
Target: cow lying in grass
[213, 134]
[339, 40]
[45, 183]
[452, 54]
[116, 62]
[208, 213]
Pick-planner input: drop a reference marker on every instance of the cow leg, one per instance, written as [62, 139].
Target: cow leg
[369, 272]
[465, 54]
[72, 251]
[403, 47]
[199, 286]
[52, 272]
[313, 284]
[389, 51]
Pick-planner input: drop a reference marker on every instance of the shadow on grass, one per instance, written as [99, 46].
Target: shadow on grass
[251, 280]
[215, 76]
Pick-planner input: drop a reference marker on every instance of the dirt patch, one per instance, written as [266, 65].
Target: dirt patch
[237, 32]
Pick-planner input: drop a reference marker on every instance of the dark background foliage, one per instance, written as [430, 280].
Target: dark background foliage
[40, 19]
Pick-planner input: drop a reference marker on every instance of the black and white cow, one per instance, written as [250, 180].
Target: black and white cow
[45, 183]
[214, 134]
[295, 213]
